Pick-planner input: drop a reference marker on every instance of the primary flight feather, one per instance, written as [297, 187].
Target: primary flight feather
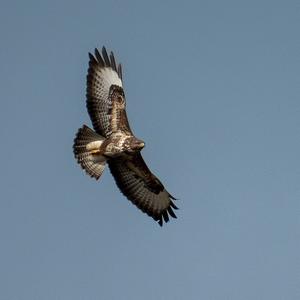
[112, 141]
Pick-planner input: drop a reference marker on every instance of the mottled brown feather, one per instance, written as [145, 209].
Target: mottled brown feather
[141, 187]
[119, 119]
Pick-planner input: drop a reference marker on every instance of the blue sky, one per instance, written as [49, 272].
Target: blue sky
[213, 89]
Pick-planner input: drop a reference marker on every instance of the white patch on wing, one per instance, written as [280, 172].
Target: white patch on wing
[107, 78]
[111, 77]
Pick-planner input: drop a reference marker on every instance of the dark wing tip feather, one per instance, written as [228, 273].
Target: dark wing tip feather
[106, 58]
[160, 222]
[93, 61]
[171, 212]
[120, 71]
[173, 205]
[165, 216]
[113, 61]
[99, 58]
[172, 197]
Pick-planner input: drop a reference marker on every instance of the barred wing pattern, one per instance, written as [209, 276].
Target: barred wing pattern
[104, 77]
[142, 188]
[106, 106]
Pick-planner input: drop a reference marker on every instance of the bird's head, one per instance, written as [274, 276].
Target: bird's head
[137, 144]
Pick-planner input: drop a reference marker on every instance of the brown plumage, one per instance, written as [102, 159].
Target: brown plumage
[113, 142]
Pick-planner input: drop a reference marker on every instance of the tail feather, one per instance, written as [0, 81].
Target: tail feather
[86, 150]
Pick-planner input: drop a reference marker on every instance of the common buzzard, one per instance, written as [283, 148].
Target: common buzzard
[113, 142]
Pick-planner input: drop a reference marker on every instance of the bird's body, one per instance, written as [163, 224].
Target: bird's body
[114, 143]
[120, 144]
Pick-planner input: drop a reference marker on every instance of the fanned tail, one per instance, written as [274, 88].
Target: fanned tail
[86, 149]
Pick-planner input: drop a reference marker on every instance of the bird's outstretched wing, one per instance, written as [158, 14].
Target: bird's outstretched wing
[142, 188]
[105, 94]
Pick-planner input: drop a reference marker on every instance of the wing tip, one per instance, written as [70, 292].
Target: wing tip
[103, 60]
[171, 212]
[163, 217]
[172, 197]
[160, 222]
[173, 205]
[106, 57]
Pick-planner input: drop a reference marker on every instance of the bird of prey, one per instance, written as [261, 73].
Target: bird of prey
[112, 141]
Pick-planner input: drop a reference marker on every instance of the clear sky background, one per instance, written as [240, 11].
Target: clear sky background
[213, 89]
